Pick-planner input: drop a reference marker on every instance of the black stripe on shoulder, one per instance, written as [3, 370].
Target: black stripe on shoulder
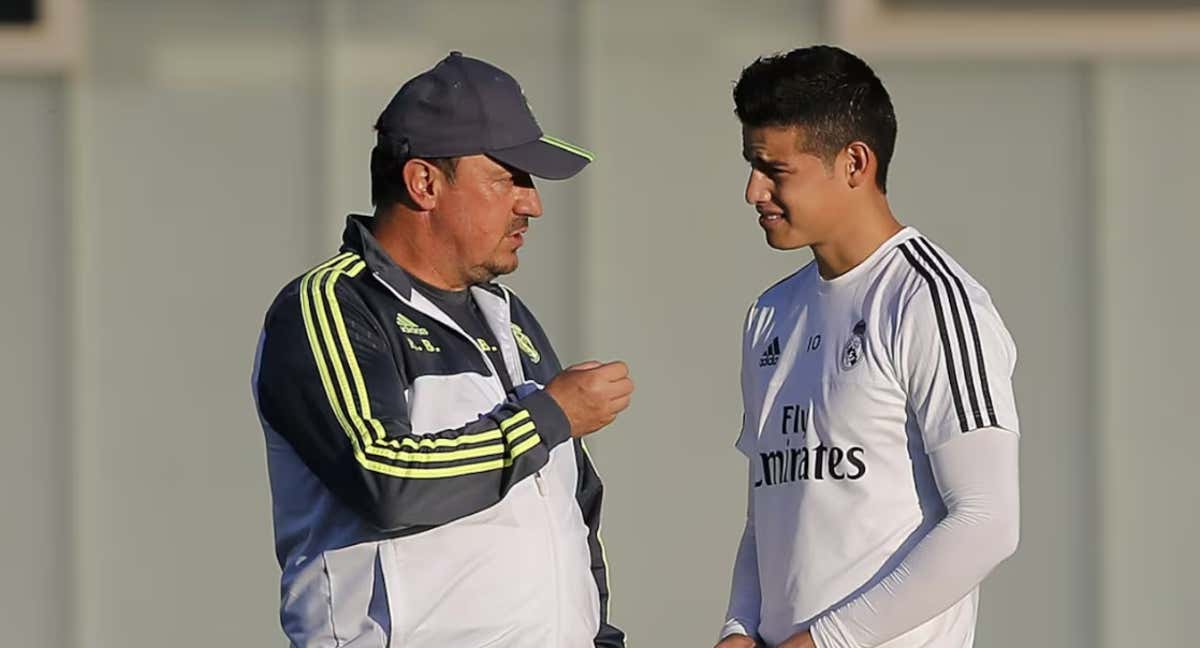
[941, 320]
[983, 379]
[959, 329]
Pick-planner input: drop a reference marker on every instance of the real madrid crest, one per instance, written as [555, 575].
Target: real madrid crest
[526, 345]
[852, 353]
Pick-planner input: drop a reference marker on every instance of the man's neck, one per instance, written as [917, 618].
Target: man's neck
[858, 235]
[407, 240]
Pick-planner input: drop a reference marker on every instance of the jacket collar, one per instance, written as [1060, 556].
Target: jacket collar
[358, 238]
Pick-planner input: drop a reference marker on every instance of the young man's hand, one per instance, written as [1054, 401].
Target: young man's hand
[737, 641]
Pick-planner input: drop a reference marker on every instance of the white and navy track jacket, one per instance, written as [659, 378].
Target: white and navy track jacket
[415, 502]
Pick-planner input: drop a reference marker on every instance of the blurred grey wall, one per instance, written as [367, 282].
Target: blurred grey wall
[36, 459]
[1148, 303]
[207, 153]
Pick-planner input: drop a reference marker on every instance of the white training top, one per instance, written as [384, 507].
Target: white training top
[848, 385]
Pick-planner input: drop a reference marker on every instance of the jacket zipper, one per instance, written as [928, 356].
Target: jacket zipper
[544, 492]
[542, 488]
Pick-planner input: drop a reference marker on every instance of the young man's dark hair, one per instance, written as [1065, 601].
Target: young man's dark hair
[830, 93]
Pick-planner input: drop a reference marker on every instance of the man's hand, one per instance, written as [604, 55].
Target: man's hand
[737, 641]
[799, 640]
[591, 394]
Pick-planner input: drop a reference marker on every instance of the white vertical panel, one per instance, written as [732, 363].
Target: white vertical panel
[1149, 307]
[992, 161]
[35, 453]
[196, 146]
[672, 259]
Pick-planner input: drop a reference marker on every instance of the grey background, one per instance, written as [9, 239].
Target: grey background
[205, 153]
[1126, 5]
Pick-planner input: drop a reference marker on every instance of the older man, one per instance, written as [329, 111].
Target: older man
[429, 480]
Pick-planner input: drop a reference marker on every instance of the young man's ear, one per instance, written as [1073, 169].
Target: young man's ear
[421, 179]
[860, 164]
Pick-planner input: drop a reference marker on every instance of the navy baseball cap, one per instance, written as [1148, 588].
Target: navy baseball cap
[465, 106]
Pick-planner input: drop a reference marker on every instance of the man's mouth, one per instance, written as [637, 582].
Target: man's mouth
[769, 218]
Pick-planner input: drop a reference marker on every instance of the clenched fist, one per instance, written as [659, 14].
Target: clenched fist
[591, 394]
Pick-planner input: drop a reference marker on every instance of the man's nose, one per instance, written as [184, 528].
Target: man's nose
[757, 188]
[529, 203]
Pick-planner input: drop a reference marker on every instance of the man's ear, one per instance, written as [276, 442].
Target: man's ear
[422, 181]
[860, 164]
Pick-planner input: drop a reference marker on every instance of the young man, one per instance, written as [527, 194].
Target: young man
[879, 421]
[429, 483]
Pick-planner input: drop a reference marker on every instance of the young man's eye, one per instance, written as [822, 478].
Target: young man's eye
[768, 170]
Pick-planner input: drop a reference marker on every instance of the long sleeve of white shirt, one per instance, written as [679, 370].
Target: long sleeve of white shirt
[745, 597]
[976, 475]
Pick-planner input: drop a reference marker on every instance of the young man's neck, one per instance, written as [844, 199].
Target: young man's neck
[404, 235]
[858, 235]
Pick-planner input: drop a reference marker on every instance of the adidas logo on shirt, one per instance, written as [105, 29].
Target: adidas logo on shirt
[771, 355]
[410, 327]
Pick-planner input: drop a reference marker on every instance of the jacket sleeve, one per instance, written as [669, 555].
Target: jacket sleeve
[329, 383]
[589, 494]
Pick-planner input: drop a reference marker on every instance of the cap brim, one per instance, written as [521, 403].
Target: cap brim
[547, 157]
